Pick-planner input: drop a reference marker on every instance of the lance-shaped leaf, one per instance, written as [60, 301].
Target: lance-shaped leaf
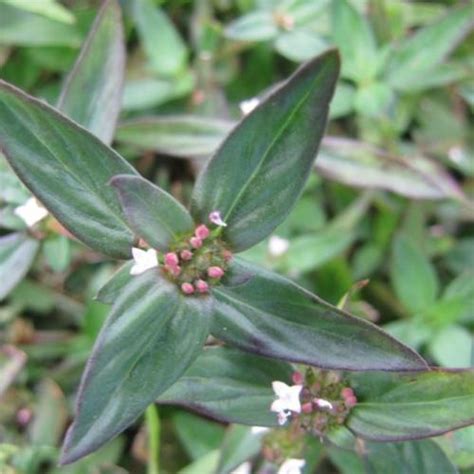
[152, 213]
[17, 252]
[92, 93]
[150, 338]
[230, 386]
[269, 315]
[258, 173]
[397, 407]
[116, 284]
[67, 168]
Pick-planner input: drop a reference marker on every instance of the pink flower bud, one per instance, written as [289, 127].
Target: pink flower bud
[195, 242]
[350, 401]
[201, 286]
[171, 259]
[297, 378]
[201, 232]
[215, 272]
[307, 407]
[186, 254]
[174, 270]
[347, 392]
[187, 288]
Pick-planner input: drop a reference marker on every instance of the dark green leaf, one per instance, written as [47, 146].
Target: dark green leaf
[230, 385]
[396, 407]
[152, 213]
[150, 338]
[17, 252]
[256, 176]
[114, 287]
[181, 136]
[92, 93]
[67, 168]
[270, 315]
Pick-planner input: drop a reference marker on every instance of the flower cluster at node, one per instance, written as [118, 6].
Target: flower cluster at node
[195, 263]
[317, 401]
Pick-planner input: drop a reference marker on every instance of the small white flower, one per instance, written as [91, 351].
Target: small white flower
[31, 212]
[144, 260]
[244, 468]
[288, 397]
[292, 466]
[323, 403]
[246, 106]
[215, 218]
[259, 429]
[283, 416]
[277, 246]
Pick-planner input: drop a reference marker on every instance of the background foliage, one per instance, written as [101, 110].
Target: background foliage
[391, 202]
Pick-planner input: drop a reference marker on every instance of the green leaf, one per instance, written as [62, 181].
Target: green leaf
[229, 385]
[17, 252]
[67, 168]
[300, 44]
[152, 213]
[361, 165]
[413, 277]
[255, 26]
[117, 283]
[182, 136]
[419, 54]
[92, 93]
[355, 39]
[397, 407]
[165, 49]
[262, 312]
[255, 177]
[57, 250]
[47, 8]
[150, 338]
[453, 346]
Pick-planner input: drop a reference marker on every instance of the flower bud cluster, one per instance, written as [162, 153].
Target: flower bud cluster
[199, 261]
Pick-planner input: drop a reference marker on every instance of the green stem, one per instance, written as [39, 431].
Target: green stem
[153, 427]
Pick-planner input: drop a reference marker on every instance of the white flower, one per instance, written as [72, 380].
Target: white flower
[292, 466]
[283, 416]
[246, 106]
[244, 468]
[31, 212]
[323, 403]
[144, 260]
[288, 399]
[277, 246]
[215, 218]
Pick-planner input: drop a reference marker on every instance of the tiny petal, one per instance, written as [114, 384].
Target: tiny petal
[277, 246]
[186, 254]
[246, 106]
[31, 212]
[215, 272]
[144, 260]
[288, 397]
[187, 288]
[259, 429]
[321, 403]
[171, 259]
[292, 466]
[282, 417]
[201, 232]
[201, 286]
[195, 242]
[215, 218]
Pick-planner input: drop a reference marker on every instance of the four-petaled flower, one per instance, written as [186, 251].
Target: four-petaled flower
[215, 218]
[288, 400]
[292, 466]
[144, 260]
[31, 212]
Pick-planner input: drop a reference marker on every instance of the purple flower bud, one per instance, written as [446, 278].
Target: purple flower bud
[186, 254]
[171, 259]
[215, 218]
[201, 286]
[215, 272]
